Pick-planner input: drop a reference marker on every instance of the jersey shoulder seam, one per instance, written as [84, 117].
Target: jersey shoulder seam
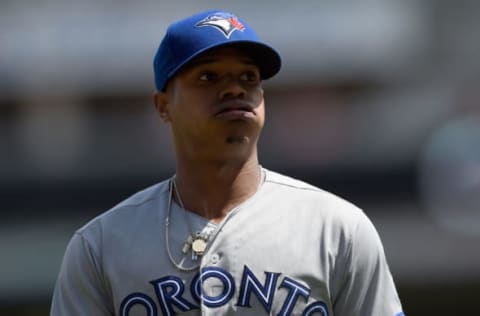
[98, 257]
[132, 202]
[283, 180]
[128, 203]
[306, 188]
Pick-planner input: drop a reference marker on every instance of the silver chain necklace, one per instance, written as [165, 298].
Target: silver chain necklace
[197, 243]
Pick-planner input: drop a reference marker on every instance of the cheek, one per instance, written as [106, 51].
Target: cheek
[258, 99]
[258, 96]
[185, 104]
[261, 114]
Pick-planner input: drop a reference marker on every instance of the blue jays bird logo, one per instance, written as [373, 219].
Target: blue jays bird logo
[226, 23]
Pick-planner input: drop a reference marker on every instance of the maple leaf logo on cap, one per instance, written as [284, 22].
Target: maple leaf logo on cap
[226, 23]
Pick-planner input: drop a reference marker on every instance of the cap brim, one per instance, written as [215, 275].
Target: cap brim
[265, 57]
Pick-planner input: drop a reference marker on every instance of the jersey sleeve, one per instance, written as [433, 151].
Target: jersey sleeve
[80, 287]
[366, 286]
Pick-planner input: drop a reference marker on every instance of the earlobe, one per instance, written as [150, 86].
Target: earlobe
[160, 100]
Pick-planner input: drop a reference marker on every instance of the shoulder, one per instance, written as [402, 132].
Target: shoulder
[310, 206]
[137, 209]
[285, 181]
[297, 191]
[144, 197]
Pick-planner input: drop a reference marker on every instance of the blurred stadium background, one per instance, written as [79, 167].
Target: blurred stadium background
[378, 101]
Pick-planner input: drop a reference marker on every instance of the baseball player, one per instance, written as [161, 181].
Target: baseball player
[223, 235]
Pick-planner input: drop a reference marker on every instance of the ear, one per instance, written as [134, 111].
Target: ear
[160, 99]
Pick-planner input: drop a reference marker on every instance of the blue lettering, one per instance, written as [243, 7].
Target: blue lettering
[140, 299]
[169, 291]
[316, 307]
[250, 284]
[296, 289]
[228, 287]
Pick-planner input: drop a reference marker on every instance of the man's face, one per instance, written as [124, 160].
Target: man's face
[215, 105]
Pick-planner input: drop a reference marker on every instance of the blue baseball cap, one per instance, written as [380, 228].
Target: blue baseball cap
[192, 36]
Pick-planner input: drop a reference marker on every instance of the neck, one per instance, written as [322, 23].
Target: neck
[212, 190]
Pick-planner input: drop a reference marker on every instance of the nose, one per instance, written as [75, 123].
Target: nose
[232, 88]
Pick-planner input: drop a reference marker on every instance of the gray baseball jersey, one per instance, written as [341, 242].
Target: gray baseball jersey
[291, 249]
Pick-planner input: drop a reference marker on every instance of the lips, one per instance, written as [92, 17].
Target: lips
[235, 107]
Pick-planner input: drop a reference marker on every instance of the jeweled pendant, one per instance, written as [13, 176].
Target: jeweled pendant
[199, 245]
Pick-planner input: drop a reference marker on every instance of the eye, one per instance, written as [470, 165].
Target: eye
[250, 76]
[208, 76]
